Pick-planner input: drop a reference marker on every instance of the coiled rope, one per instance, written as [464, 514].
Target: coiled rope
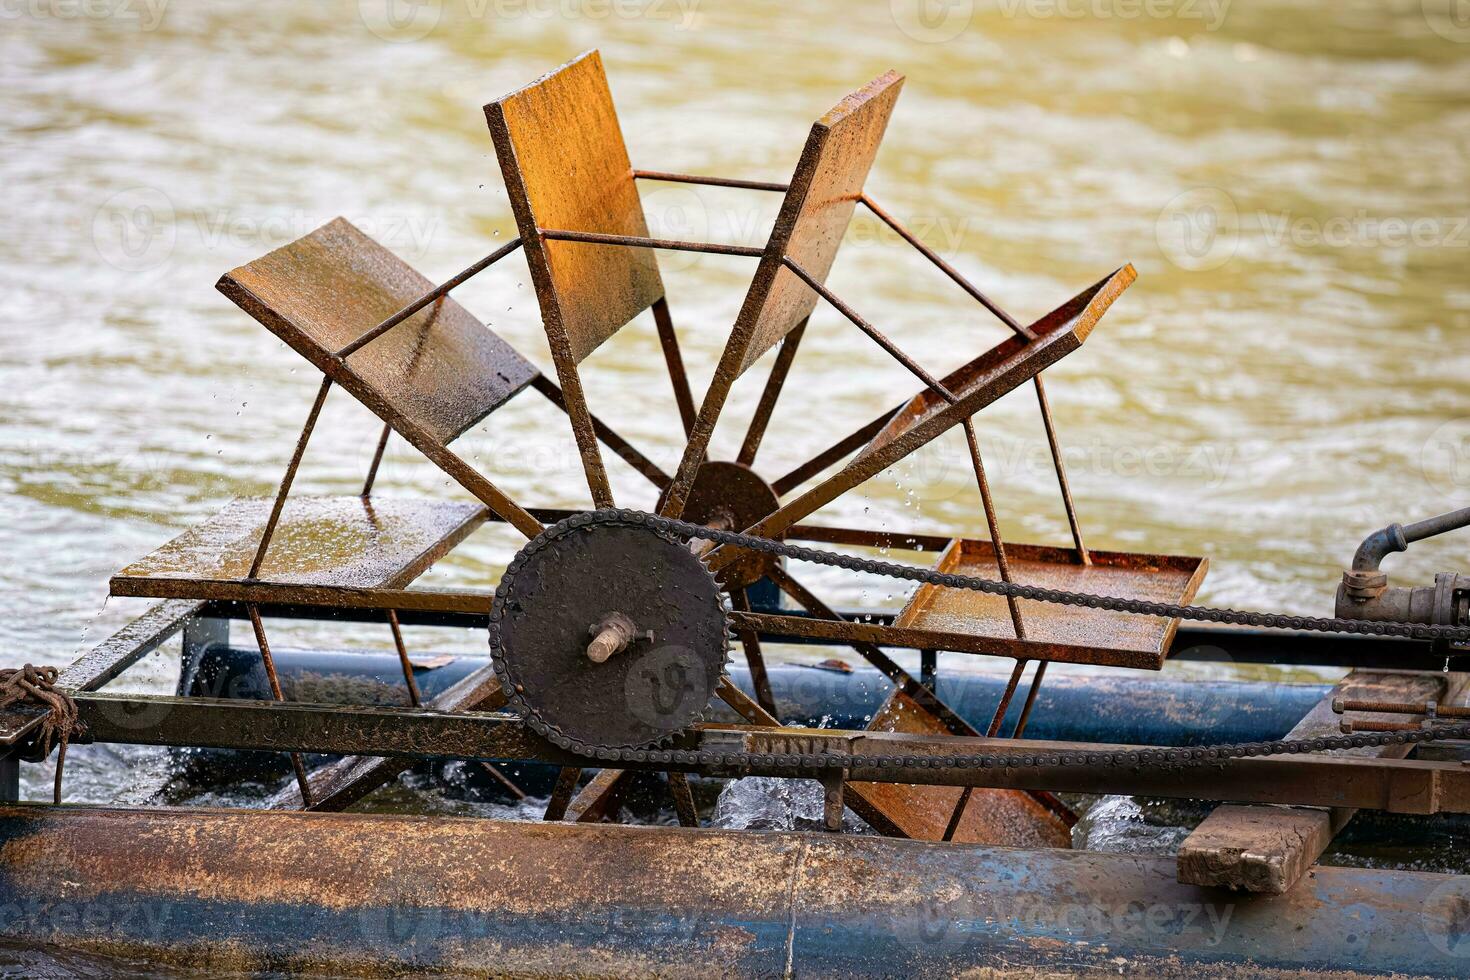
[37, 685]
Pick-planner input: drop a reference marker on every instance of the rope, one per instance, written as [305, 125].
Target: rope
[37, 685]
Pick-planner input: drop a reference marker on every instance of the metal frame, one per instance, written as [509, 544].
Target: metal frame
[1392, 785]
[590, 218]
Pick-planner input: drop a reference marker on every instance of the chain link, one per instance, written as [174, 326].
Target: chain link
[1148, 758]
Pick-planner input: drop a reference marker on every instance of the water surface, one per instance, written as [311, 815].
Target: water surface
[1291, 370]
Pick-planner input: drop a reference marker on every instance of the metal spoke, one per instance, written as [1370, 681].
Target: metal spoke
[275, 685]
[1046, 418]
[438, 292]
[669, 340]
[740, 601]
[774, 384]
[288, 478]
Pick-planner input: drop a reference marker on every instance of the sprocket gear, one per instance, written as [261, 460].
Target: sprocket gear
[569, 583]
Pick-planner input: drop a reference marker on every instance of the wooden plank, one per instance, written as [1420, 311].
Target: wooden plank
[441, 369]
[1269, 849]
[1009, 817]
[815, 214]
[1005, 367]
[566, 168]
[1157, 578]
[343, 541]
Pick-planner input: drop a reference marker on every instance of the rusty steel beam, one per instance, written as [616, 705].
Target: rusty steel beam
[471, 898]
[751, 643]
[775, 382]
[1396, 786]
[839, 631]
[297, 763]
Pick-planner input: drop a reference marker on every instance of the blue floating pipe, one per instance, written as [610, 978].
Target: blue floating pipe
[1071, 708]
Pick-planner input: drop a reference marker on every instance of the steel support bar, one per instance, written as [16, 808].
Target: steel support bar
[668, 339]
[749, 185]
[1396, 786]
[1192, 642]
[1022, 331]
[838, 631]
[329, 598]
[289, 477]
[194, 890]
[775, 381]
[377, 460]
[636, 241]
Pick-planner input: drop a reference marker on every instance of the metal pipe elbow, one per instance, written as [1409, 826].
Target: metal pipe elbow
[1379, 545]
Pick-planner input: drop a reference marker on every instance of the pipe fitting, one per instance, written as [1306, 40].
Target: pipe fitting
[1379, 545]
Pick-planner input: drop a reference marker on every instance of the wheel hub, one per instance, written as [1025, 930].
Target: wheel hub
[733, 497]
[608, 635]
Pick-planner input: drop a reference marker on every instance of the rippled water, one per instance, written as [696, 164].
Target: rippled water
[1289, 177]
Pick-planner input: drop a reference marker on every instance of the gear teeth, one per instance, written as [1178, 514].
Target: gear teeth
[664, 529]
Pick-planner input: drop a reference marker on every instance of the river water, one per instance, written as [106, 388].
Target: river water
[1291, 370]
